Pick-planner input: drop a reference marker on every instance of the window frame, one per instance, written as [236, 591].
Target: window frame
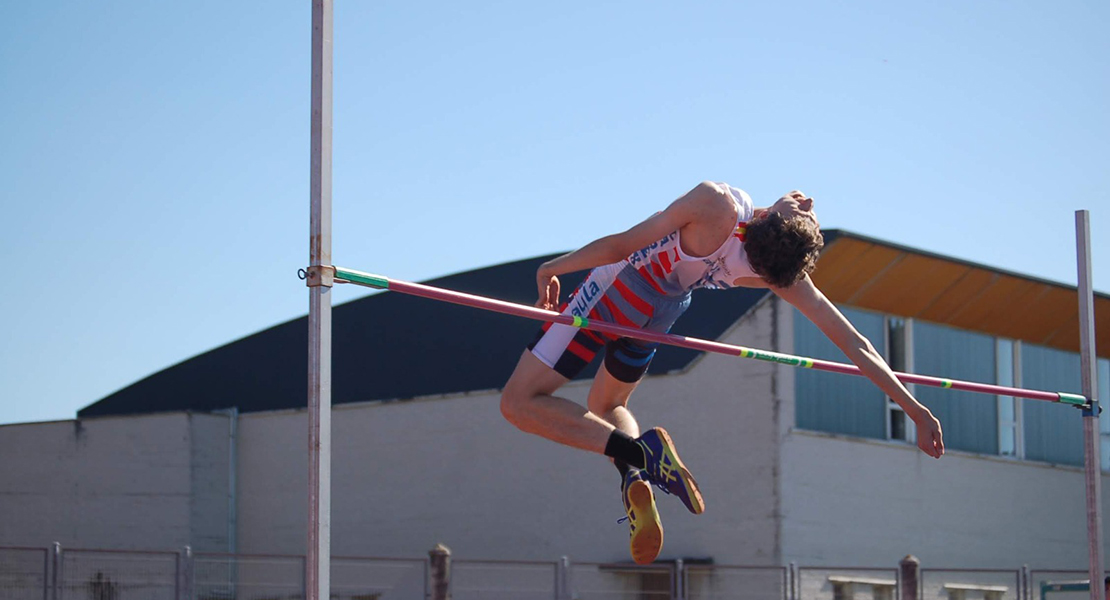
[894, 411]
[1014, 426]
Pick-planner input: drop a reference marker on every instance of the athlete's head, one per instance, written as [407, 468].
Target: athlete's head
[784, 241]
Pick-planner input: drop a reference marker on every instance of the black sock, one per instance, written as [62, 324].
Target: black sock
[623, 448]
[622, 467]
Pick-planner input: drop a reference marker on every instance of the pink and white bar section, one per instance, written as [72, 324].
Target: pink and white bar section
[424, 291]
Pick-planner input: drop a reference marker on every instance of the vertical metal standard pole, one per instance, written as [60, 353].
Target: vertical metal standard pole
[1093, 470]
[319, 280]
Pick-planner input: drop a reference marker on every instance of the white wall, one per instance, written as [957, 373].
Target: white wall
[408, 475]
[209, 508]
[885, 500]
[118, 482]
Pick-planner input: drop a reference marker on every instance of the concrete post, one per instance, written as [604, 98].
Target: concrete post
[440, 558]
[909, 571]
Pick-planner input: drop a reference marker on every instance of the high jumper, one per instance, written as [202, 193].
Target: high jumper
[712, 237]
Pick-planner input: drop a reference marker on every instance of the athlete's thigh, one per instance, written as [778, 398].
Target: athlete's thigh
[608, 392]
[531, 377]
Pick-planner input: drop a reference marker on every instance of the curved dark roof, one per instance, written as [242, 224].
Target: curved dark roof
[387, 346]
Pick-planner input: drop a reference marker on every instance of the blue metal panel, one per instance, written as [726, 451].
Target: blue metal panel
[970, 420]
[1051, 434]
[837, 403]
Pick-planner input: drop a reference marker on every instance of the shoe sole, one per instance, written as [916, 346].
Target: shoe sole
[647, 540]
[692, 492]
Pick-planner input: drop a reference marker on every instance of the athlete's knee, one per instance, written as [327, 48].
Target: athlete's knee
[515, 403]
[603, 404]
[608, 394]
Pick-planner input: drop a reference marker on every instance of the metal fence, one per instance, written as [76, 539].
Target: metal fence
[24, 573]
[1058, 585]
[77, 574]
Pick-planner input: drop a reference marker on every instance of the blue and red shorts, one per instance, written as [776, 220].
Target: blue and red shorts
[616, 294]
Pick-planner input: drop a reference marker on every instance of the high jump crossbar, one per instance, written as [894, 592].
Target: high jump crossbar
[343, 275]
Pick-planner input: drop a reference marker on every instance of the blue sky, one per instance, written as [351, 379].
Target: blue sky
[154, 164]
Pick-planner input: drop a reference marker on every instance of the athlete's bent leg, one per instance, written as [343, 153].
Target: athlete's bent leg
[528, 402]
[608, 399]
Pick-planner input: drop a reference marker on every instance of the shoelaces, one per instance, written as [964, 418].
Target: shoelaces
[625, 518]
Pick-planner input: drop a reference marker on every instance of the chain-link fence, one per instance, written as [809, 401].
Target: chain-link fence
[24, 573]
[964, 584]
[501, 580]
[65, 574]
[115, 575]
[1047, 584]
[379, 578]
[245, 577]
[720, 582]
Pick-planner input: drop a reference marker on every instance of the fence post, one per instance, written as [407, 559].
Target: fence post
[679, 583]
[186, 583]
[440, 557]
[909, 571]
[791, 591]
[1024, 582]
[56, 560]
[562, 579]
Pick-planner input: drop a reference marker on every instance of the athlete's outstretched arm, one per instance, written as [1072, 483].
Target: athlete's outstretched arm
[807, 298]
[698, 203]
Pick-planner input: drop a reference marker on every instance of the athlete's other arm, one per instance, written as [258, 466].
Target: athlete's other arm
[704, 202]
[807, 298]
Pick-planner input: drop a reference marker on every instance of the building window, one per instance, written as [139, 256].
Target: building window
[1007, 352]
[1052, 433]
[899, 345]
[973, 422]
[970, 420]
[832, 402]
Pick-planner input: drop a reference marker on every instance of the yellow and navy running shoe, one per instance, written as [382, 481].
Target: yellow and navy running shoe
[645, 529]
[666, 470]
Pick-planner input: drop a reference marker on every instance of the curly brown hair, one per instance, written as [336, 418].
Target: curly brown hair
[782, 250]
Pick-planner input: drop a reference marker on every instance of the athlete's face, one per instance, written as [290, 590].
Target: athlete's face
[793, 205]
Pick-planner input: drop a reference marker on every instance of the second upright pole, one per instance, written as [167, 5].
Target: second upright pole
[1091, 442]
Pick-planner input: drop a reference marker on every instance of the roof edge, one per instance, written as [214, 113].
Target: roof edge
[832, 235]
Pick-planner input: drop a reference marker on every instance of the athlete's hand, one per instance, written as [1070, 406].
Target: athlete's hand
[929, 436]
[548, 287]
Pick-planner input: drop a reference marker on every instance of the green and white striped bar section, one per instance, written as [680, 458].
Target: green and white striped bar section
[343, 275]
